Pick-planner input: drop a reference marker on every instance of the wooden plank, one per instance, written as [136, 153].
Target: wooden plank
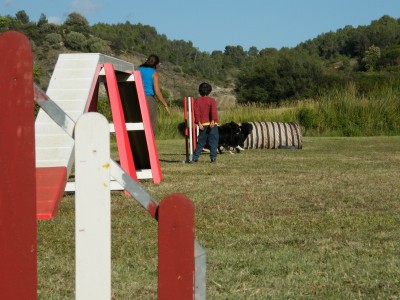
[50, 185]
[57, 114]
[176, 266]
[92, 208]
[18, 275]
[150, 140]
[124, 147]
[129, 126]
[134, 189]
[200, 266]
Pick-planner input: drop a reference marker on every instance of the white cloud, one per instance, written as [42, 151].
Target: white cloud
[8, 2]
[84, 7]
[54, 20]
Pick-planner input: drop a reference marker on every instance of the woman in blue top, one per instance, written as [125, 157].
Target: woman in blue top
[150, 78]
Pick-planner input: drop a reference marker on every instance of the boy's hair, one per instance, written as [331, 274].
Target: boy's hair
[205, 89]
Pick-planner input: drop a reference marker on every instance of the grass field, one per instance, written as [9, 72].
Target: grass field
[317, 223]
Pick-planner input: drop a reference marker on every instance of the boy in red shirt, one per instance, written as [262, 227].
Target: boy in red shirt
[206, 116]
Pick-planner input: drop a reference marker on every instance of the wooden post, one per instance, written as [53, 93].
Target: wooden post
[92, 208]
[18, 275]
[176, 265]
[190, 130]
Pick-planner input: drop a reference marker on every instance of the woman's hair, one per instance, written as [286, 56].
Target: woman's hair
[151, 62]
[205, 89]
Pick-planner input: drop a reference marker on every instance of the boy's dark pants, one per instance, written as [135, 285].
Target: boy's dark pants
[212, 136]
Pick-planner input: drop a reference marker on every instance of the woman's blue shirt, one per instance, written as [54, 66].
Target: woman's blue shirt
[147, 77]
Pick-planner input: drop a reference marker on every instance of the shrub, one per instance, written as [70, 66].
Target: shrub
[54, 40]
[309, 117]
[3, 23]
[96, 45]
[76, 41]
[49, 28]
[77, 23]
[103, 107]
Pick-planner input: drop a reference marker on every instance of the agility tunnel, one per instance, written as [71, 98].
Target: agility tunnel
[274, 135]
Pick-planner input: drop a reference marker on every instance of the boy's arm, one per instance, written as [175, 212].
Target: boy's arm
[214, 112]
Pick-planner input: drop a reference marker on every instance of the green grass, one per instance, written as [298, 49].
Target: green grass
[317, 223]
[337, 112]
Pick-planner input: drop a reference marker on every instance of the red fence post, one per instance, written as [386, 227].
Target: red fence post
[176, 264]
[18, 275]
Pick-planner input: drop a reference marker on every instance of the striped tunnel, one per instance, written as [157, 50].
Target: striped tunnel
[274, 135]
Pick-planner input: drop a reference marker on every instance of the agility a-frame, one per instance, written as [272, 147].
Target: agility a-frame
[74, 88]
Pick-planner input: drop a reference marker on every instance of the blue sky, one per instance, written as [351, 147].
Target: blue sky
[213, 24]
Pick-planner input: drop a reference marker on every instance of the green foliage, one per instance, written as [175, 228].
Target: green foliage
[103, 107]
[37, 73]
[339, 112]
[76, 22]
[287, 74]
[97, 45]
[342, 112]
[366, 56]
[3, 23]
[76, 41]
[22, 17]
[48, 28]
[283, 74]
[42, 20]
[371, 58]
[54, 40]
[309, 117]
[389, 58]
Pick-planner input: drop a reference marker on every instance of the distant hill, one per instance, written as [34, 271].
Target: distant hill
[176, 85]
[366, 56]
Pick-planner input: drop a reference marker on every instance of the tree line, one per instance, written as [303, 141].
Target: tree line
[366, 56]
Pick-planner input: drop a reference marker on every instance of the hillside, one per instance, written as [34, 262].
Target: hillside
[366, 57]
[175, 84]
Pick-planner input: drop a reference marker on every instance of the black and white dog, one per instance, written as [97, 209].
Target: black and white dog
[227, 136]
[244, 130]
[231, 136]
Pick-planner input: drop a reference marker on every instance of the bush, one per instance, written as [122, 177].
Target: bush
[309, 117]
[77, 23]
[96, 45]
[103, 107]
[3, 23]
[76, 41]
[54, 40]
[49, 28]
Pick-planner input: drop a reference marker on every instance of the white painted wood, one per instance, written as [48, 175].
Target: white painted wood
[190, 121]
[52, 154]
[52, 109]
[200, 260]
[92, 208]
[129, 126]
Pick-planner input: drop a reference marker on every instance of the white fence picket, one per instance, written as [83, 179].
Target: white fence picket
[93, 208]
